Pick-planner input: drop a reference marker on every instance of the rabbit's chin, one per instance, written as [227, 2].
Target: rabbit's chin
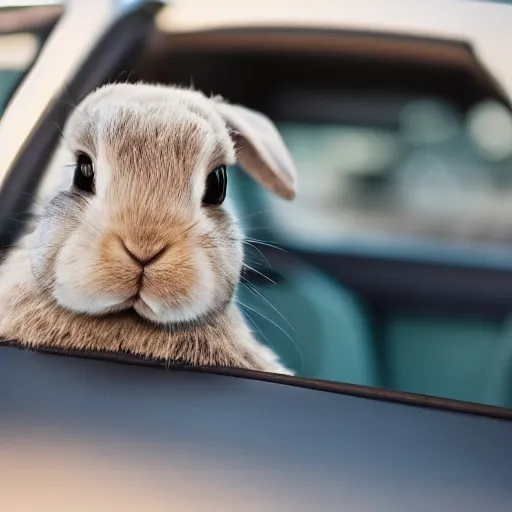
[139, 308]
[141, 304]
[149, 310]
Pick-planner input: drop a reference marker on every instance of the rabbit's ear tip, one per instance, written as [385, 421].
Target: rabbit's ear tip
[290, 194]
[285, 190]
[261, 150]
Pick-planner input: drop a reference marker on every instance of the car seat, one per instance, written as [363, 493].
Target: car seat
[319, 328]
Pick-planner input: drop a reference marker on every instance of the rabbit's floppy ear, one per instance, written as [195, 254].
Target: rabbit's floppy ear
[261, 150]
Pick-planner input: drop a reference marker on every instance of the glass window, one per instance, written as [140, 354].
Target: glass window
[436, 175]
[24, 26]
[17, 51]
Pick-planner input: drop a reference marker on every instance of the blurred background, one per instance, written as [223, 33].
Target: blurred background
[396, 260]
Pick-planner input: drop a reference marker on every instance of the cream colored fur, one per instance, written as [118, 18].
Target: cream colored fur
[71, 283]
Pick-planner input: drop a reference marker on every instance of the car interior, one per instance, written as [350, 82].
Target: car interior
[391, 269]
[371, 288]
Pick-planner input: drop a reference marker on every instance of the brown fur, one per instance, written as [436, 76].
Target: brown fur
[143, 240]
[36, 321]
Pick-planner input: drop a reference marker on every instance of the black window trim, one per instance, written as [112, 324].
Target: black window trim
[358, 391]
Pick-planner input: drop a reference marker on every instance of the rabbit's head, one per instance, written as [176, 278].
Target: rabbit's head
[142, 226]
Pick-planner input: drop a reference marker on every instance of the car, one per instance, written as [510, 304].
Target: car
[386, 285]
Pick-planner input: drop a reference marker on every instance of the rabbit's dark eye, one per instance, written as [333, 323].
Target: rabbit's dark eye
[216, 185]
[84, 174]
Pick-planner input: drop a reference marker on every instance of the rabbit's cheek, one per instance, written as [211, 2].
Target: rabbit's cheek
[86, 281]
[74, 299]
[61, 216]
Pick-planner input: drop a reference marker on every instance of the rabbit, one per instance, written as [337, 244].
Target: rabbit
[139, 255]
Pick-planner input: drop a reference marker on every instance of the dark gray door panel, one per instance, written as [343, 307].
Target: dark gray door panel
[239, 444]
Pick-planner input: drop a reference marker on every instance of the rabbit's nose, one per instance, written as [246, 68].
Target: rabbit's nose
[143, 256]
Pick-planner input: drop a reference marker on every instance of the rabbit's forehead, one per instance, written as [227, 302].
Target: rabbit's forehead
[160, 126]
[137, 140]
[148, 137]
[155, 144]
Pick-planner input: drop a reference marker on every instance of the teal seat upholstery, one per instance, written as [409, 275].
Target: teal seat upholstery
[499, 373]
[318, 328]
[446, 356]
